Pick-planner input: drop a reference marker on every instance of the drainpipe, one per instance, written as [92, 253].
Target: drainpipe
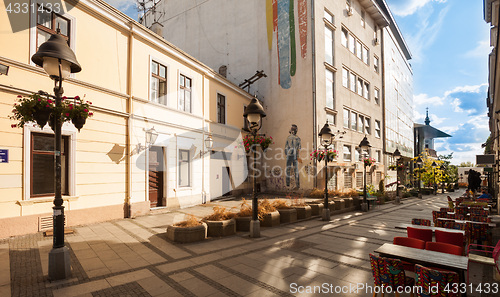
[128, 151]
[382, 123]
[313, 51]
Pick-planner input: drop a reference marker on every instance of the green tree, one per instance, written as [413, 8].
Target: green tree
[466, 164]
[488, 148]
[428, 173]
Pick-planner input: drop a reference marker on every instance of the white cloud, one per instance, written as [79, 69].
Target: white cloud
[406, 8]
[424, 99]
[436, 120]
[466, 89]
[482, 50]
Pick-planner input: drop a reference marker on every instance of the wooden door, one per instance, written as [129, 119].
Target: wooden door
[156, 172]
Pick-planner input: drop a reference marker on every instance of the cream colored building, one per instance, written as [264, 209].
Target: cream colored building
[136, 81]
[322, 61]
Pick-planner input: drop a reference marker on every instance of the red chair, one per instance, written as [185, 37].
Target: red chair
[444, 248]
[427, 278]
[482, 219]
[409, 242]
[422, 234]
[454, 238]
[422, 222]
[389, 273]
[458, 226]
[459, 217]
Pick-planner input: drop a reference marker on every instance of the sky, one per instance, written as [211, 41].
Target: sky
[449, 42]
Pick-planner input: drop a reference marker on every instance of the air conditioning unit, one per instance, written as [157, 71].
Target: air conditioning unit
[349, 11]
[377, 41]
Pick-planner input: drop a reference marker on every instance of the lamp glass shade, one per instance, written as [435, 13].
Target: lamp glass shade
[209, 142]
[364, 145]
[151, 136]
[419, 161]
[253, 118]
[51, 66]
[397, 154]
[326, 138]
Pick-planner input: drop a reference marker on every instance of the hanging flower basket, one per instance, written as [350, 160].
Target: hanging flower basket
[398, 167]
[319, 155]
[368, 161]
[251, 143]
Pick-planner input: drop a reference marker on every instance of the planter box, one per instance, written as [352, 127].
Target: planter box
[348, 202]
[187, 234]
[271, 219]
[339, 204]
[332, 205]
[316, 209]
[221, 228]
[288, 215]
[303, 212]
[243, 223]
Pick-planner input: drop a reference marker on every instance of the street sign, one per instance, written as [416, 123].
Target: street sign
[4, 156]
[485, 159]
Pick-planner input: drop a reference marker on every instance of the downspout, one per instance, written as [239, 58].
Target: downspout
[128, 151]
[203, 193]
[382, 123]
[313, 51]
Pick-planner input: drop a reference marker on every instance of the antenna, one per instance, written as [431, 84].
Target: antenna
[148, 8]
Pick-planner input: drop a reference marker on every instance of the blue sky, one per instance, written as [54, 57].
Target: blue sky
[449, 41]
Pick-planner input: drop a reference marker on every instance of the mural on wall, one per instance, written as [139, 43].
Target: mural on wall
[292, 150]
[280, 18]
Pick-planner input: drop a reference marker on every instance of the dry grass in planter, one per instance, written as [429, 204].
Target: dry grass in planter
[191, 221]
[281, 204]
[220, 214]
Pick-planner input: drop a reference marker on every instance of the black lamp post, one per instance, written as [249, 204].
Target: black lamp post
[434, 165]
[397, 156]
[419, 164]
[58, 60]
[443, 169]
[326, 137]
[254, 114]
[364, 146]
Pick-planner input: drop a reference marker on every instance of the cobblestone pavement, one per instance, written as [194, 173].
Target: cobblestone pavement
[132, 257]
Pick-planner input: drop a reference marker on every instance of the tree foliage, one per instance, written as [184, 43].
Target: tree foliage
[429, 174]
[466, 164]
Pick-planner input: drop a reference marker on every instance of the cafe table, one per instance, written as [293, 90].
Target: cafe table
[403, 226]
[491, 225]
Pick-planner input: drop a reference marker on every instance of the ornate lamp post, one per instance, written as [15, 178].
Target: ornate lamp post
[364, 146]
[254, 114]
[58, 60]
[397, 156]
[434, 165]
[419, 164]
[326, 137]
[443, 168]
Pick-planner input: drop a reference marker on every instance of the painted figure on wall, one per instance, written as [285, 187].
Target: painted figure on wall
[292, 148]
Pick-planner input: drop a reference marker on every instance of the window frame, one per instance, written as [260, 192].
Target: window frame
[376, 95]
[221, 109]
[330, 83]
[182, 93]
[346, 147]
[378, 129]
[52, 22]
[179, 162]
[161, 79]
[329, 44]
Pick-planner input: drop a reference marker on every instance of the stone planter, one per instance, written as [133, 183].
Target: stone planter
[339, 204]
[243, 223]
[348, 202]
[288, 215]
[332, 205]
[187, 234]
[271, 219]
[221, 228]
[316, 208]
[303, 211]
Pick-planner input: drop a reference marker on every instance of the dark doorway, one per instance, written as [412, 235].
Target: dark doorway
[156, 177]
[226, 181]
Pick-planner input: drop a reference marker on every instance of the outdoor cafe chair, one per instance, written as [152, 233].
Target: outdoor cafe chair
[477, 232]
[409, 242]
[462, 211]
[389, 272]
[444, 248]
[427, 278]
[438, 214]
[446, 209]
[422, 234]
[449, 224]
[459, 217]
[454, 238]
[422, 222]
[481, 219]
[474, 211]
[494, 260]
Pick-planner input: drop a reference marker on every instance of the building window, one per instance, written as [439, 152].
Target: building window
[47, 24]
[359, 52]
[343, 37]
[346, 118]
[352, 44]
[359, 87]
[354, 121]
[377, 129]
[328, 17]
[347, 180]
[331, 118]
[185, 93]
[347, 152]
[361, 123]
[330, 102]
[359, 179]
[362, 18]
[184, 169]
[377, 156]
[357, 154]
[352, 82]
[366, 90]
[365, 55]
[367, 126]
[329, 46]
[376, 95]
[221, 109]
[42, 164]
[375, 64]
[158, 83]
[345, 78]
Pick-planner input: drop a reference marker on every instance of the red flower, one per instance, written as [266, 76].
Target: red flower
[90, 103]
[70, 107]
[86, 110]
[77, 97]
[67, 114]
[64, 97]
[39, 99]
[19, 96]
[91, 113]
[13, 126]
[47, 105]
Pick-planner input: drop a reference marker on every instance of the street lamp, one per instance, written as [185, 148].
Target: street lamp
[254, 114]
[397, 156]
[209, 143]
[442, 168]
[419, 164]
[364, 146]
[434, 165]
[326, 137]
[58, 60]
